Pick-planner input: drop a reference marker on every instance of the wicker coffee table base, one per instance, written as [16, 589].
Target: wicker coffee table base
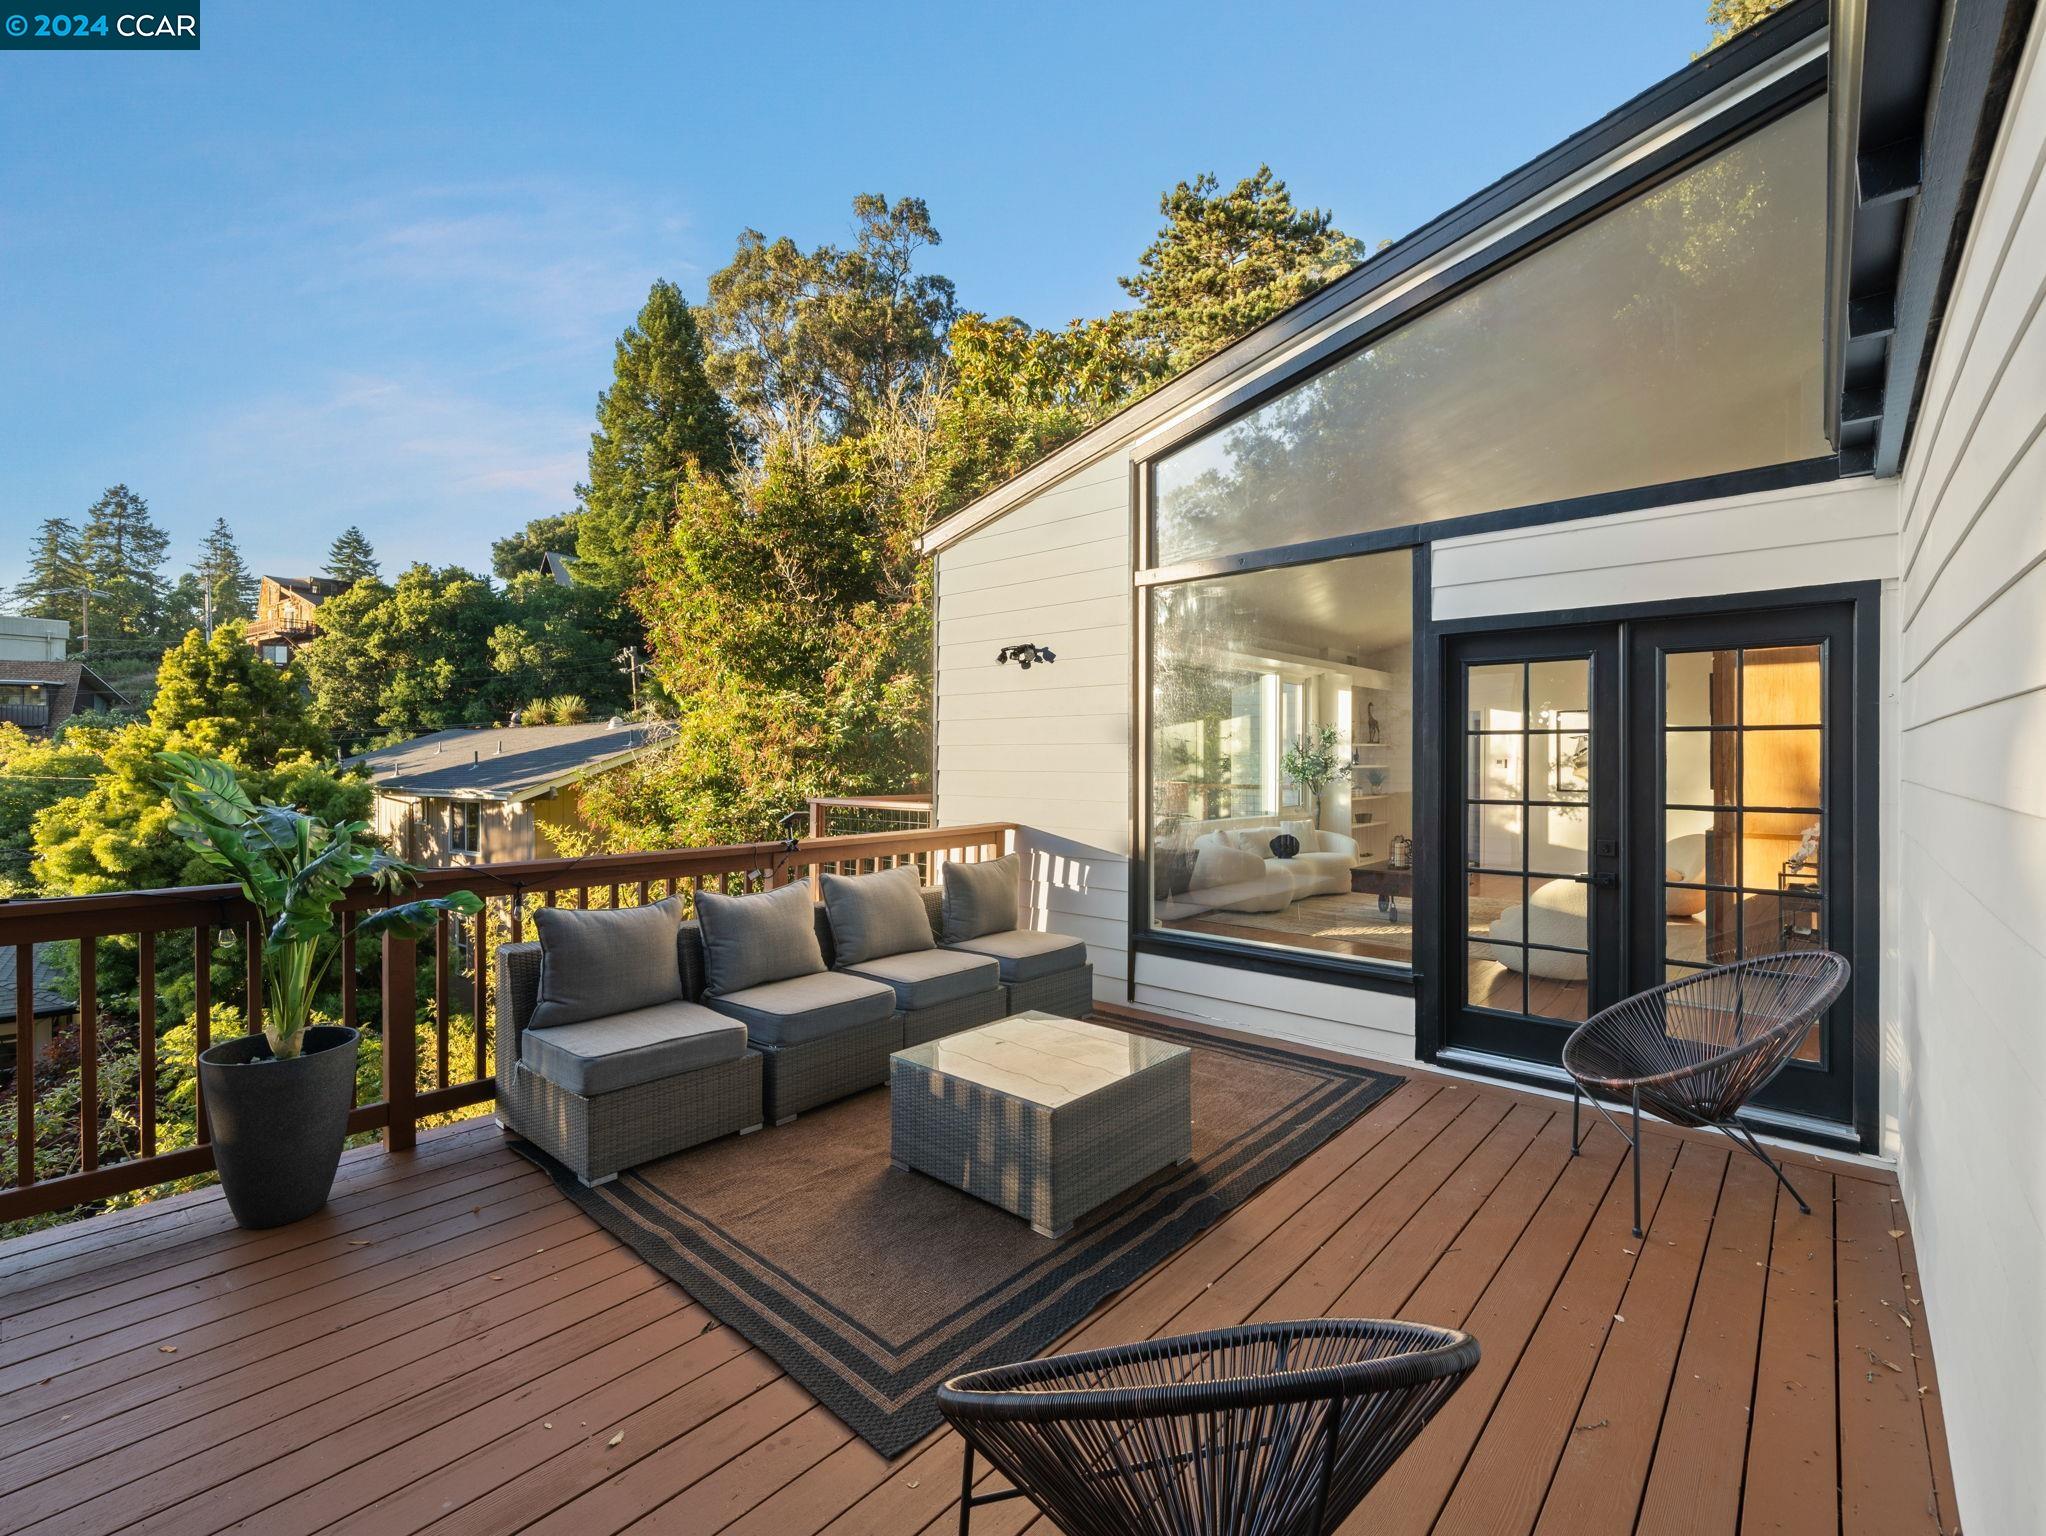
[1048, 1166]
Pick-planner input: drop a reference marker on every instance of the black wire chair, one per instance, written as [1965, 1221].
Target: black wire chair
[1695, 1051]
[1274, 1429]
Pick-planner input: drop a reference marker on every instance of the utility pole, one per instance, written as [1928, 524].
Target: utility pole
[85, 595]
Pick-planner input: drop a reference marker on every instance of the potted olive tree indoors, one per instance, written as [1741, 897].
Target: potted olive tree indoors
[278, 1101]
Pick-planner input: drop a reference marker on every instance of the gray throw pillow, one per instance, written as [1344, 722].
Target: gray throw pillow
[981, 898]
[595, 964]
[749, 941]
[876, 915]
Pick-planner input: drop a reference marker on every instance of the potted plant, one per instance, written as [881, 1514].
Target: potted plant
[278, 1101]
[1315, 761]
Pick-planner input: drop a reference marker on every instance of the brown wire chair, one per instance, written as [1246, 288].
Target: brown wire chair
[1273, 1429]
[1695, 1051]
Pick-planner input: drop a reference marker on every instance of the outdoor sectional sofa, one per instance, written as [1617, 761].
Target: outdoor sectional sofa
[603, 1094]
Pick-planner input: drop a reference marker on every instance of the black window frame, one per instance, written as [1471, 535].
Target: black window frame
[1778, 98]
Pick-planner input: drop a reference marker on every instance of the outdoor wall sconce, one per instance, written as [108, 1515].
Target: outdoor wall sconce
[1023, 655]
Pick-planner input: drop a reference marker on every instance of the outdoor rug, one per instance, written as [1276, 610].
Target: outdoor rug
[871, 1285]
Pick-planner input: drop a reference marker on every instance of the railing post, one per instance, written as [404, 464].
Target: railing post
[401, 1041]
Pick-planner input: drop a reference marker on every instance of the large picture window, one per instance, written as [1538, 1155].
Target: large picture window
[1281, 758]
[1675, 337]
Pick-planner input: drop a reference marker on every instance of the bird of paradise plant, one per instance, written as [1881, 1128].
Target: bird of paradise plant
[293, 868]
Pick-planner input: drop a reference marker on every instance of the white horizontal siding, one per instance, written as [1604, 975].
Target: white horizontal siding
[1376, 1024]
[1807, 536]
[1971, 824]
[1048, 748]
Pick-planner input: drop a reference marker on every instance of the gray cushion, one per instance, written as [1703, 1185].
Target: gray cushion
[751, 940]
[604, 1055]
[595, 964]
[806, 1008]
[1025, 954]
[923, 978]
[877, 914]
[981, 898]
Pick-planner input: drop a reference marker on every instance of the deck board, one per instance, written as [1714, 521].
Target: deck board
[451, 1346]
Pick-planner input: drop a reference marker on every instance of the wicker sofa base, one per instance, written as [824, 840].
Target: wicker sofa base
[800, 1077]
[922, 1024]
[599, 1137]
[1069, 994]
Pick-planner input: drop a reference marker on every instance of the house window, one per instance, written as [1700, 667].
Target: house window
[277, 655]
[1675, 337]
[1253, 678]
[466, 828]
[24, 704]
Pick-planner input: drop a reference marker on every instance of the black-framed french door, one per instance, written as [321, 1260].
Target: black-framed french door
[1628, 801]
[1534, 829]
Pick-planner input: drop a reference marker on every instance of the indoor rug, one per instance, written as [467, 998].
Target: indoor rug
[870, 1285]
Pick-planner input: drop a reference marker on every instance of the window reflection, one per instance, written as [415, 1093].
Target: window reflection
[1281, 708]
[1685, 322]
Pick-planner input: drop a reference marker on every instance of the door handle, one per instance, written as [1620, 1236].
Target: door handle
[1605, 880]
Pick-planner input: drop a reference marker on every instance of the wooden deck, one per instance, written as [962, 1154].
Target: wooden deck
[453, 1347]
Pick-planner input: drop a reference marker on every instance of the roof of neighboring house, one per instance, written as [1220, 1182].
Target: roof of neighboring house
[561, 567]
[515, 762]
[49, 1001]
[70, 678]
[314, 589]
[1406, 261]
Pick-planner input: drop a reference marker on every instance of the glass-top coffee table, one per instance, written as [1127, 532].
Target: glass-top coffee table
[1043, 1116]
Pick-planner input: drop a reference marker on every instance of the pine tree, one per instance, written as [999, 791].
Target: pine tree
[350, 558]
[1226, 262]
[659, 416]
[224, 577]
[122, 552]
[55, 573]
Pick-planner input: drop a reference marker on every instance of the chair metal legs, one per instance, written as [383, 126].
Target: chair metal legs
[1748, 1137]
[1633, 1141]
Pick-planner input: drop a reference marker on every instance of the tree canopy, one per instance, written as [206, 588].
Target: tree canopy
[223, 576]
[350, 557]
[1226, 262]
[659, 417]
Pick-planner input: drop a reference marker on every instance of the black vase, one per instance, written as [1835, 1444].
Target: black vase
[278, 1125]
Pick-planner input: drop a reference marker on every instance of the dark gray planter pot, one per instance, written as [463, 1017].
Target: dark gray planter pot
[278, 1125]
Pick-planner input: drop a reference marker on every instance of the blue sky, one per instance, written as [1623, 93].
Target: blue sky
[365, 262]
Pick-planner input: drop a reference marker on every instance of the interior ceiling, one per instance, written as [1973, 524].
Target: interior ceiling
[1342, 609]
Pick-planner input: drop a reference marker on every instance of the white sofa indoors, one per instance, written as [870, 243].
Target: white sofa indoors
[1235, 869]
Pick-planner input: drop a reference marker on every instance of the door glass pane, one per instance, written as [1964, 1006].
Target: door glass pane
[1781, 686]
[1558, 694]
[1780, 768]
[1495, 695]
[1700, 688]
[1754, 750]
[1527, 823]
[1559, 765]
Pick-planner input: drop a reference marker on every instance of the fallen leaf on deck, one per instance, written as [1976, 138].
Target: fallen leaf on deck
[615, 1439]
[166, 1349]
[1896, 1231]
[1617, 1318]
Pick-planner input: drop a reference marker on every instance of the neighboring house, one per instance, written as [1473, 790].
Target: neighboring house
[287, 610]
[52, 1008]
[39, 689]
[1659, 530]
[472, 796]
[560, 567]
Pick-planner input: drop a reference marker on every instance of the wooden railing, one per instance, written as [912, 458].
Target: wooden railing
[142, 924]
[838, 815]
